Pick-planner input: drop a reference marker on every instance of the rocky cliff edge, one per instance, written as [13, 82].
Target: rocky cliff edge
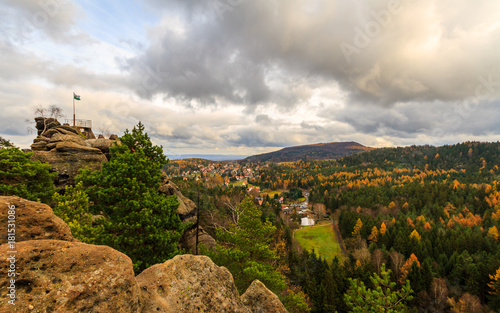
[56, 273]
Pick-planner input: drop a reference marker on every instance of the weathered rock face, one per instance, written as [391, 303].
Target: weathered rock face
[102, 144]
[61, 276]
[188, 283]
[188, 240]
[187, 213]
[187, 208]
[34, 221]
[259, 299]
[67, 160]
[67, 151]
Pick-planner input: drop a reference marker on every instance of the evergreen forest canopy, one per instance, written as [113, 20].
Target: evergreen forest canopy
[420, 224]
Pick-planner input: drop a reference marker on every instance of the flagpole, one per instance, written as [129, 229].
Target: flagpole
[74, 119]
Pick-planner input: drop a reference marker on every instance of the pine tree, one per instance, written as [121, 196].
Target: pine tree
[73, 208]
[246, 250]
[384, 297]
[24, 178]
[139, 221]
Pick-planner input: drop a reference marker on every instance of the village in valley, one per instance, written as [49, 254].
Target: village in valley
[235, 175]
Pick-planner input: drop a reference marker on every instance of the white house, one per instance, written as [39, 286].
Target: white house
[306, 221]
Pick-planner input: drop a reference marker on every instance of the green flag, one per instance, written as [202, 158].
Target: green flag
[75, 96]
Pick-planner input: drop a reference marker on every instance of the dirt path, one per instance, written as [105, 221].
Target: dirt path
[339, 237]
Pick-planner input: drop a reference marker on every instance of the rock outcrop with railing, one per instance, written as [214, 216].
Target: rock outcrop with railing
[67, 149]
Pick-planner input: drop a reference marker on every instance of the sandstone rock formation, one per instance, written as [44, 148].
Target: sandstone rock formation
[259, 299]
[187, 213]
[188, 283]
[34, 221]
[101, 144]
[56, 273]
[61, 276]
[64, 148]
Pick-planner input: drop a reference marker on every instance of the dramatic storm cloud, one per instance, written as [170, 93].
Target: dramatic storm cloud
[244, 77]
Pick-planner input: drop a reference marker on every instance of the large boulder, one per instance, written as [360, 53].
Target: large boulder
[188, 240]
[62, 276]
[259, 299]
[42, 124]
[102, 144]
[68, 158]
[187, 208]
[33, 221]
[64, 138]
[188, 283]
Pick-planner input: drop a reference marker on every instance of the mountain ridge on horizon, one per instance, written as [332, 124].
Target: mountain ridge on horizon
[317, 151]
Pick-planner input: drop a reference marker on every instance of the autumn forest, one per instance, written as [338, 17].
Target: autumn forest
[419, 224]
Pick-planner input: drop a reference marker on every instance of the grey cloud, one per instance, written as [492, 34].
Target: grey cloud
[56, 18]
[422, 52]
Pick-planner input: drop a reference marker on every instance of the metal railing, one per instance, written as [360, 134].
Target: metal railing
[80, 123]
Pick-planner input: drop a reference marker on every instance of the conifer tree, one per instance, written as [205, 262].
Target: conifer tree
[384, 297]
[25, 178]
[246, 250]
[357, 228]
[139, 221]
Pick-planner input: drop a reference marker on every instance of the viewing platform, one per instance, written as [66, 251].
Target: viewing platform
[80, 123]
[85, 127]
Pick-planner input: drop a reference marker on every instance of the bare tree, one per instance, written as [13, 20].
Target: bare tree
[467, 304]
[54, 112]
[397, 261]
[362, 253]
[233, 206]
[104, 130]
[438, 294]
[319, 210]
[378, 259]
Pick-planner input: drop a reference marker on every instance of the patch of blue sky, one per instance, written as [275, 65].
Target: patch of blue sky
[120, 23]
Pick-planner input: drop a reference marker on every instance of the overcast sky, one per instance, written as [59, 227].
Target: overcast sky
[251, 76]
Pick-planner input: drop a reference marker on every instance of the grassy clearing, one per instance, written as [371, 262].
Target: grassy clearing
[237, 183]
[272, 193]
[321, 238]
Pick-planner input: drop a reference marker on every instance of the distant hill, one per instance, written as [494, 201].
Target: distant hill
[320, 151]
[210, 157]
